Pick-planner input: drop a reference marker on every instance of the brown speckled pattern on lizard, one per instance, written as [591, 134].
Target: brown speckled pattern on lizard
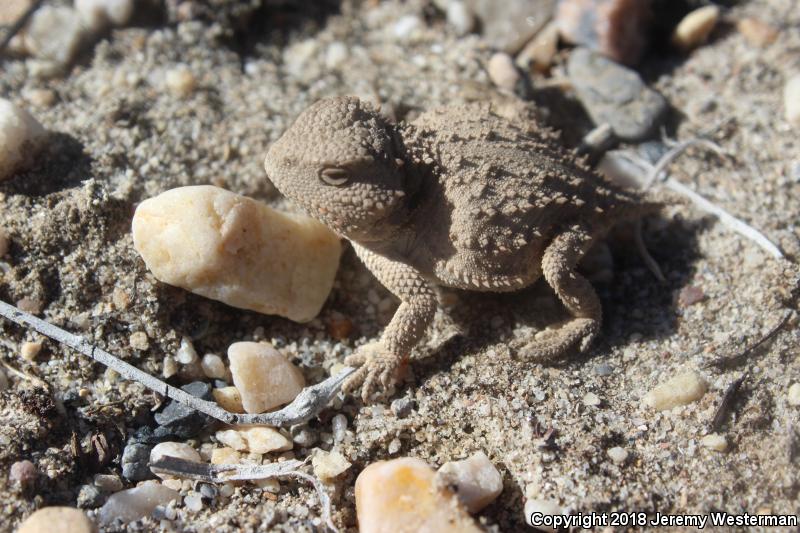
[459, 197]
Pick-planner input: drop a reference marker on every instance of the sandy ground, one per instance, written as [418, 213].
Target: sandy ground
[122, 137]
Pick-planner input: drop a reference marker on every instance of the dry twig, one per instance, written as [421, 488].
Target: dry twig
[632, 168]
[243, 472]
[305, 406]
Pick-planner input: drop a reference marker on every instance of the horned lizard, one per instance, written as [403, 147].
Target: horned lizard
[460, 197]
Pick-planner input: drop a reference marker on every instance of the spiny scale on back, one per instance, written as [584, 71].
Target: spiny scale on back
[461, 197]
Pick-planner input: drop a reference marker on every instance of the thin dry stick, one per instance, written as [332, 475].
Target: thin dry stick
[242, 472]
[305, 406]
[724, 217]
[738, 358]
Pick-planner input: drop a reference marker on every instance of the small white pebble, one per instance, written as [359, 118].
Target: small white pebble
[328, 465]
[460, 17]
[227, 490]
[591, 399]
[793, 396]
[694, 29]
[339, 427]
[476, 480]
[29, 350]
[336, 54]
[139, 341]
[617, 454]
[180, 81]
[541, 508]
[20, 136]
[186, 354]
[715, 442]
[791, 100]
[213, 367]
[406, 26]
[193, 501]
[170, 367]
[502, 71]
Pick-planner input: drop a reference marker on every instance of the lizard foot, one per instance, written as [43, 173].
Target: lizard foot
[377, 372]
[550, 344]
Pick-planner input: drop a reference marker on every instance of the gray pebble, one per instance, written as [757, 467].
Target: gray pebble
[180, 421]
[135, 461]
[339, 427]
[208, 491]
[90, 497]
[615, 95]
[510, 24]
[603, 370]
[402, 407]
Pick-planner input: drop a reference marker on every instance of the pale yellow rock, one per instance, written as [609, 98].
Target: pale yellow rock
[328, 465]
[682, 389]
[61, 519]
[715, 442]
[694, 29]
[502, 71]
[400, 496]
[254, 439]
[225, 456]
[229, 399]
[476, 480]
[791, 100]
[539, 53]
[793, 396]
[180, 81]
[241, 252]
[29, 350]
[21, 138]
[263, 377]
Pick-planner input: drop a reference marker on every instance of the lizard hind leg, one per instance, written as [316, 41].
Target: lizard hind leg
[576, 293]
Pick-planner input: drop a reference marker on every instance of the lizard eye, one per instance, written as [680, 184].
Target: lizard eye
[334, 176]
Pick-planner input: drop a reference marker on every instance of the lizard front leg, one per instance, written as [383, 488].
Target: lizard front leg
[379, 361]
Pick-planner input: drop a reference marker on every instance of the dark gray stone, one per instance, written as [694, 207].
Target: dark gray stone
[510, 24]
[136, 461]
[615, 95]
[180, 421]
[402, 407]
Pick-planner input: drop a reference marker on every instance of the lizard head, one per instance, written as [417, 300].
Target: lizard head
[338, 162]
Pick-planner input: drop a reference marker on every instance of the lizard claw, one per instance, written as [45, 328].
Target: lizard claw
[377, 371]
